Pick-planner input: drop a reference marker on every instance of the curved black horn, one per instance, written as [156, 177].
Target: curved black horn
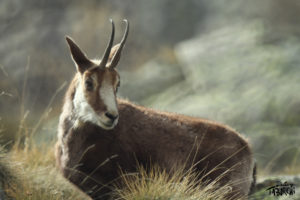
[109, 46]
[117, 55]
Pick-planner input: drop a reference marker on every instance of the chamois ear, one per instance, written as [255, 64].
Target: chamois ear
[80, 59]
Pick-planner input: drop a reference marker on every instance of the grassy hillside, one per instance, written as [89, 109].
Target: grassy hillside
[30, 174]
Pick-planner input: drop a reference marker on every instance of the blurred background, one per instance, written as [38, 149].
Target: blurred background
[236, 62]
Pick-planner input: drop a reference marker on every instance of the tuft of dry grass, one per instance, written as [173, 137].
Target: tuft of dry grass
[33, 175]
[157, 184]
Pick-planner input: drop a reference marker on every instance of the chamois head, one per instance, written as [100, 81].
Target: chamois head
[97, 83]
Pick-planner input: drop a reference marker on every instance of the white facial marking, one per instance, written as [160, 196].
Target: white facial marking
[82, 108]
[85, 113]
[108, 97]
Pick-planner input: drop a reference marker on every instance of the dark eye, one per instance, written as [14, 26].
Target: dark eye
[89, 85]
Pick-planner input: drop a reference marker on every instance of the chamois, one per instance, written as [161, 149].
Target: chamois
[100, 135]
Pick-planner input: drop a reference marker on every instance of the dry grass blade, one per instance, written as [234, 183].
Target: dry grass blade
[158, 184]
[37, 177]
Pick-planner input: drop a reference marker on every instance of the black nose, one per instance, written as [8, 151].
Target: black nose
[110, 116]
